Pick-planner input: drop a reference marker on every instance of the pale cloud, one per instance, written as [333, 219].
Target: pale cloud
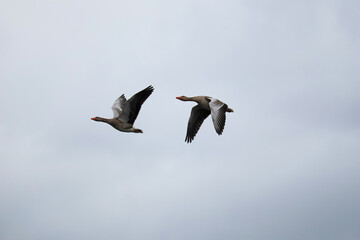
[286, 166]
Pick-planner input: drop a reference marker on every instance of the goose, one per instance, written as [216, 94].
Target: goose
[126, 111]
[205, 106]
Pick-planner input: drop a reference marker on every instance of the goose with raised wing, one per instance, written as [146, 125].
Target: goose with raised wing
[126, 111]
[205, 106]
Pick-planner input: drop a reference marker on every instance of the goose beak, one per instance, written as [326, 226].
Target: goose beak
[93, 118]
[178, 97]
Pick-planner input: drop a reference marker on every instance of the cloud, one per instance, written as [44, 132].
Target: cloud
[285, 167]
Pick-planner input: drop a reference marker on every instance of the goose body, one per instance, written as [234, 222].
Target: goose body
[205, 106]
[125, 111]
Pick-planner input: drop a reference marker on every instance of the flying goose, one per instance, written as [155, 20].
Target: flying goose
[126, 111]
[206, 106]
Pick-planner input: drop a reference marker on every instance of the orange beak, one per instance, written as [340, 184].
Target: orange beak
[93, 118]
[178, 97]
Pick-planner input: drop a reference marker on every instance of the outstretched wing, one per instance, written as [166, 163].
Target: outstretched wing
[218, 110]
[132, 106]
[118, 106]
[197, 117]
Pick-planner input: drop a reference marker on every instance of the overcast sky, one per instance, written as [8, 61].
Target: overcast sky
[286, 167]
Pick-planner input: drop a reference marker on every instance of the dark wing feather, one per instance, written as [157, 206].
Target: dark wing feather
[197, 117]
[133, 105]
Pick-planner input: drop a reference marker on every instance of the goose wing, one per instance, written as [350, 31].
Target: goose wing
[118, 105]
[218, 110]
[197, 117]
[131, 107]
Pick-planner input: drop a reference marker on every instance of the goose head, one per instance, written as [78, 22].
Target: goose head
[183, 98]
[96, 119]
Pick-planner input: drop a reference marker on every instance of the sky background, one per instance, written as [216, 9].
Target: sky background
[286, 167]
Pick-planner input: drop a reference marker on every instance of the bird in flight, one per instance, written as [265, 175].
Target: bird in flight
[205, 106]
[126, 111]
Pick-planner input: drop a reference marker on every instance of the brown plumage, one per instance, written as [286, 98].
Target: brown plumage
[126, 111]
[206, 106]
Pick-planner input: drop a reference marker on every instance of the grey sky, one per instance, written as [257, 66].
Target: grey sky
[286, 167]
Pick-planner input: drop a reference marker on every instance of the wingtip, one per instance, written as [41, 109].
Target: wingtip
[150, 88]
[188, 139]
